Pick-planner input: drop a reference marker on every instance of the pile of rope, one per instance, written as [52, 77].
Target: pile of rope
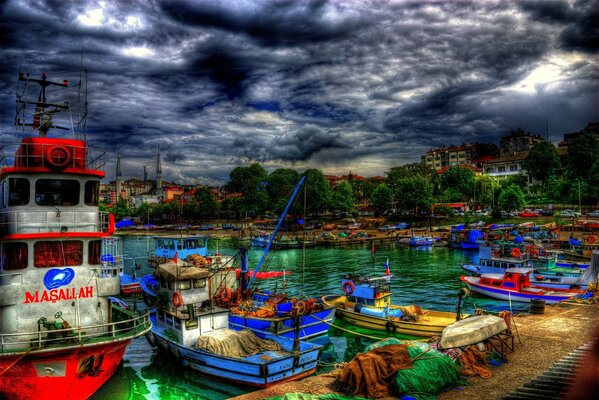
[431, 373]
[248, 309]
[237, 344]
[474, 362]
[197, 260]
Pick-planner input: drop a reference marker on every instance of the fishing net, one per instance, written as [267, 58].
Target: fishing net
[237, 344]
[432, 372]
[372, 373]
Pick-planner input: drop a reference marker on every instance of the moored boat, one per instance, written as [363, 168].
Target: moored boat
[367, 304]
[514, 285]
[197, 333]
[61, 336]
[416, 241]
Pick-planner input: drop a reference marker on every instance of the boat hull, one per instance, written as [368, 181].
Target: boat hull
[513, 295]
[59, 374]
[314, 324]
[431, 324]
[261, 370]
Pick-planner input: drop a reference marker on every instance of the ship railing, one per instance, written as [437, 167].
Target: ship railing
[131, 325]
[35, 155]
[48, 221]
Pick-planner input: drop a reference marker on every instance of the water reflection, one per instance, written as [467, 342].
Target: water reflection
[427, 277]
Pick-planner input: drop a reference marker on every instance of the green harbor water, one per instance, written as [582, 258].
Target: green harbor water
[428, 277]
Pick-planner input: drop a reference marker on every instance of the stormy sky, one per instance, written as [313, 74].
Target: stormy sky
[343, 86]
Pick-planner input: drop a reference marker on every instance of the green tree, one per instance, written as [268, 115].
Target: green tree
[204, 204]
[415, 193]
[511, 198]
[381, 198]
[251, 182]
[342, 197]
[318, 191]
[281, 183]
[458, 181]
[487, 190]
[583, 157]
[542, 162]
[121, 209]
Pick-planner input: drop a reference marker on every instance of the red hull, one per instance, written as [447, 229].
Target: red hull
[77, 373]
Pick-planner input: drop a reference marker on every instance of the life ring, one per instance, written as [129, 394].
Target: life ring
[177, 299]
[486, 236]
[225, 294]
[348, 287]
[390, 327]
[58, 156]
[532, 251]
[591, 239]
[516, 253]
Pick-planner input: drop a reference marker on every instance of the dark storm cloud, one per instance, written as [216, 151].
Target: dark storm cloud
[336, 85]
[271, 22]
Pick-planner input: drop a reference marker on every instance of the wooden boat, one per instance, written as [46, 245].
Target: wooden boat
[367, 304]
[545, 272]
[515, 285]
[471, 330]
[197, 333]
[61, 336]
[274, 313]
[415, 241]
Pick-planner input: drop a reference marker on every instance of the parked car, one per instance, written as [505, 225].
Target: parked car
[546, 213]
[569, 214]
[529, 214]
[594, 214]
[386, 228]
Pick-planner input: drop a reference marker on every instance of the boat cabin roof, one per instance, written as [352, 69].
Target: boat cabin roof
[171, 272]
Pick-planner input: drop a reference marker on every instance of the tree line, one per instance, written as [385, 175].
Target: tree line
[413, 189]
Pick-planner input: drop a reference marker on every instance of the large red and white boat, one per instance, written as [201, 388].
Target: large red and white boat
[60, 335]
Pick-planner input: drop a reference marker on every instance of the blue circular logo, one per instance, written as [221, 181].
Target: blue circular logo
[56, 277]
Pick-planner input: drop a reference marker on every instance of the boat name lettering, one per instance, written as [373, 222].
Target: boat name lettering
[55, 295]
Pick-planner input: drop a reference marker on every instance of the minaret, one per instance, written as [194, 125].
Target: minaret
[119, 175]
[158, 174]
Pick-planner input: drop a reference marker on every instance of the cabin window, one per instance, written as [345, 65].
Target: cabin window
[169, 244]
[171, 285]
[169, 319]
[92, 193]
[199, 283]
[57, 253]
[160, 315]
[93, 252]
[56, 192]
[177, 323]
[180, 245]
[159, 243]
[192, 244]
[18, 191]
[14, 256]
[509, 285]
[184, 285]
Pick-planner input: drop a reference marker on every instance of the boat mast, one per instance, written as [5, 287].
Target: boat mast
[274, 233]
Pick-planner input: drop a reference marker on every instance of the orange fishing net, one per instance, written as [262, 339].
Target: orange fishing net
[474, 363]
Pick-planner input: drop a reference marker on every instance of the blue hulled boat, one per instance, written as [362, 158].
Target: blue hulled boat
[195, 332]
